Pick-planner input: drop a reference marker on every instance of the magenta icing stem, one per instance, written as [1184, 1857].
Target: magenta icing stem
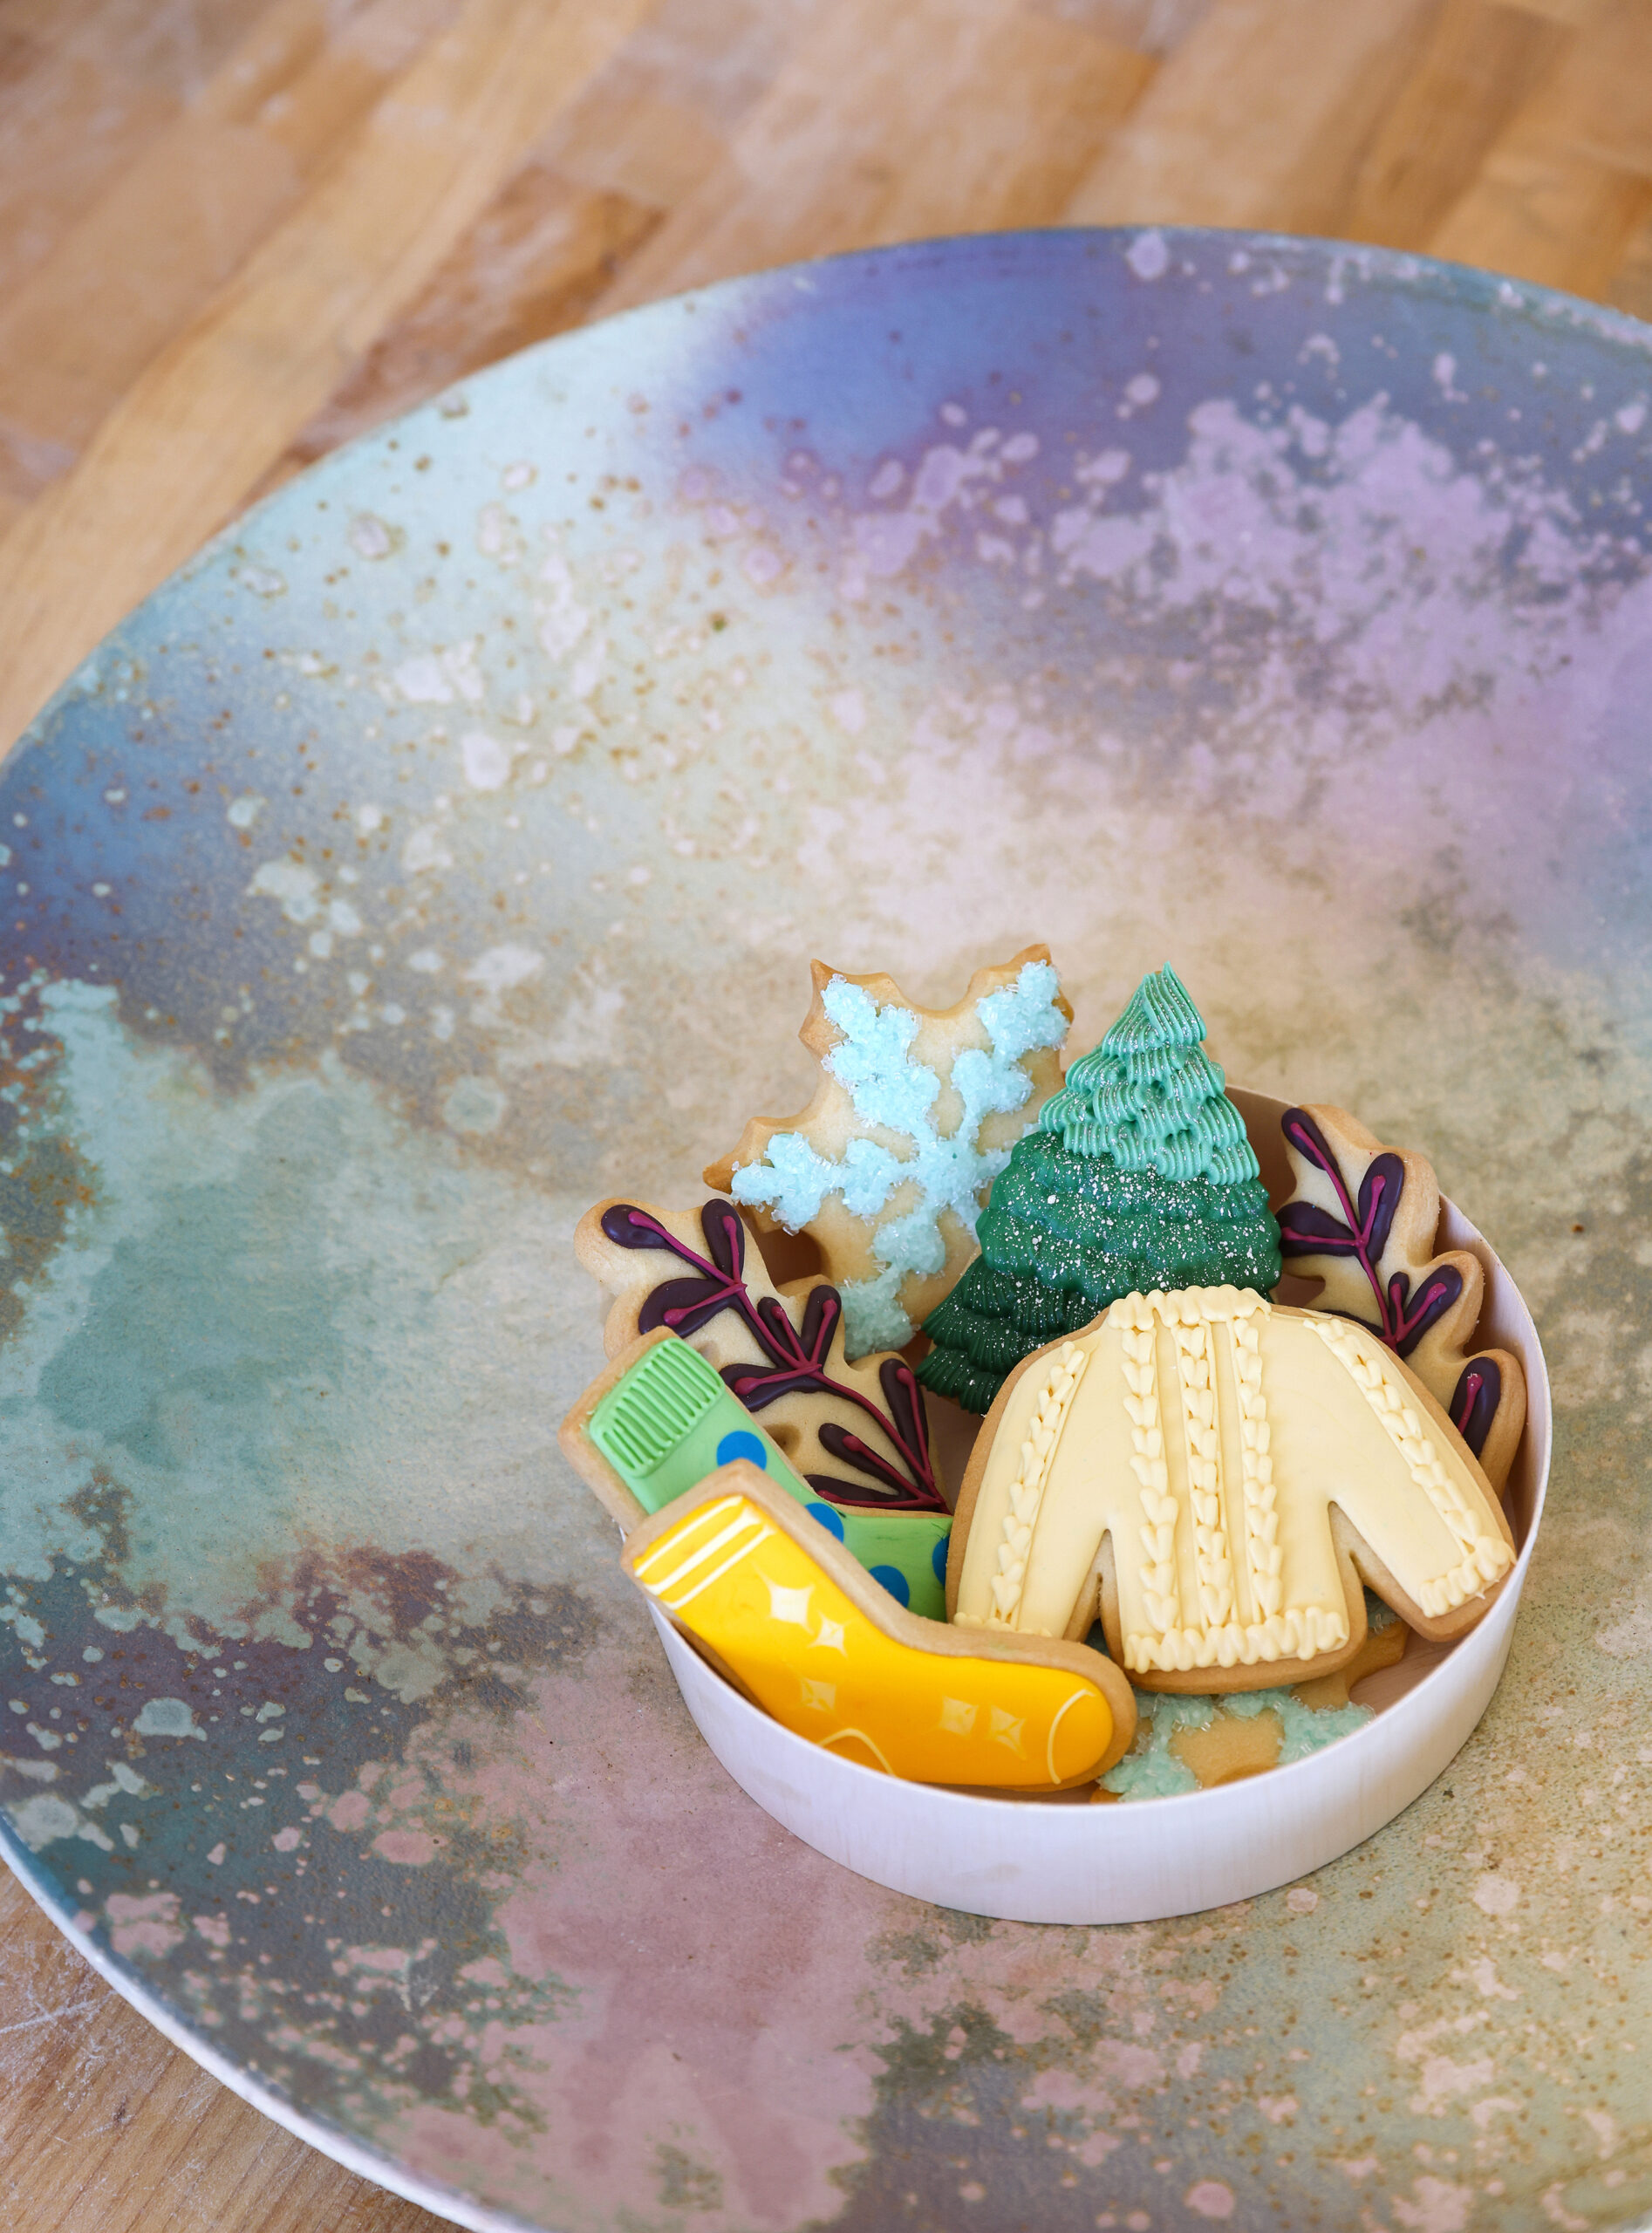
[794, 1358]
[1361, 1232]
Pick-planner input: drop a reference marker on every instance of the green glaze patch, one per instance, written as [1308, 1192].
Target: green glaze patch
[258, 1297]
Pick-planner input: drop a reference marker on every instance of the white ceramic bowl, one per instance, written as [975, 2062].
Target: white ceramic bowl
[1065, 1862]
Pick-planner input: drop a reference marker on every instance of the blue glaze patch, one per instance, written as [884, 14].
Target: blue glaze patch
[742, 1443]
[830, 1521]
[895, 1581]
[937, 1556]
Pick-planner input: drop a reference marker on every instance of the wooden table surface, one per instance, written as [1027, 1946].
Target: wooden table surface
[235, 232]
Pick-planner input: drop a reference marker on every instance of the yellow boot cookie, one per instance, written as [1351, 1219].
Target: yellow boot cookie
[780, 1607]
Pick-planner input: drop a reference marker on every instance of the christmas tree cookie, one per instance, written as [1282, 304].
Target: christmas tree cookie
[1139, 1176]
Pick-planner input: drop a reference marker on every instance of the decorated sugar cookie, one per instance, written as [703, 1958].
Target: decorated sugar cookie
[1216, 1476]
[855, 1431]
[1139, 1175]
[662, 1417]
[914, 1116]
[1188, 1742]
[1364, 1218]
[776, 1605]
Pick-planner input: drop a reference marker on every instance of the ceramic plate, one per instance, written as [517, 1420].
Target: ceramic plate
[446, 848]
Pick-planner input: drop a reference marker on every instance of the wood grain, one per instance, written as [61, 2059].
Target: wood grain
[105, 2128]
[1263, 119]
[231, 246]
[1567, 185]
[236, 233]
[139, 265]
[204, 420]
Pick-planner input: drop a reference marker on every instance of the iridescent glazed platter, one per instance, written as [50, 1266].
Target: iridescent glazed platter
[445, 848]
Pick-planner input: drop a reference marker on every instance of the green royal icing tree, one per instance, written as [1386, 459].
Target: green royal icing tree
[1137, 1176]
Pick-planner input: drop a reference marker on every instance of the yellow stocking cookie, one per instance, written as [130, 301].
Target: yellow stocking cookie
[778, 1605]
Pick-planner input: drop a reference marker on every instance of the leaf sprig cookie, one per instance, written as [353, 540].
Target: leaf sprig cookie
[1364, 1218]
[857, 1432]
[913, 1117]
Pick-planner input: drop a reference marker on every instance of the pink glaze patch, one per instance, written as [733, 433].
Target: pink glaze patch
[350, 1811]
[1211, 2198]
[148, 1925]
[411, 1847]
[715, 1963]
[728, 1986]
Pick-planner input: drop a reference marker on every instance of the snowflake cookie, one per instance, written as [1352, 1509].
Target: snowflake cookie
[914, 1116]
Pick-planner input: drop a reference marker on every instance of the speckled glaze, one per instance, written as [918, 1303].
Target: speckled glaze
[445, 848]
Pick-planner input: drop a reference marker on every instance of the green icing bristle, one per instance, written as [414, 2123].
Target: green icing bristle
[658, 1404]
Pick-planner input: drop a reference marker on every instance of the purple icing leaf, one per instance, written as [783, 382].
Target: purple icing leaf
[853, 1451]
[1407, 1320]
[901, 1393]
[1362, 1232]
[1475, 1400]
[795, 1357]
[1307, 1230]
[798, 1358]
[684, 1306]
[629, 1227]
[1363, 1228]
[1380, 1192]
[899, 1384]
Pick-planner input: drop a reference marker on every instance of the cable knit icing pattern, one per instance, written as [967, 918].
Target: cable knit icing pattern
[1196, 1373]
[1263, 1554]
[1208, 1439]
[1027, 1488]
[1218, 1638]
[1486, 1555]
[1147, 1462]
